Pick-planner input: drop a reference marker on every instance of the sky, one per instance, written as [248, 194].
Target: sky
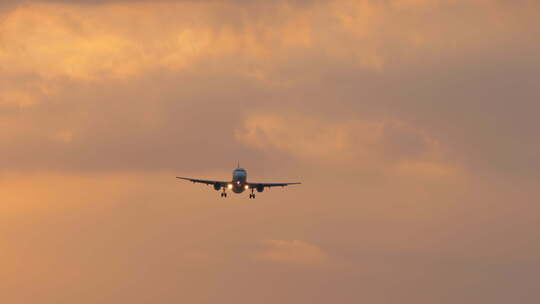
[412, 125]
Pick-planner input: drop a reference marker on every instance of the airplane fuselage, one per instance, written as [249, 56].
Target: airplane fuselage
[239, 181]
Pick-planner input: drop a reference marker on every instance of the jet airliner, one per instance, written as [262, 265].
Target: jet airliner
[238, 184]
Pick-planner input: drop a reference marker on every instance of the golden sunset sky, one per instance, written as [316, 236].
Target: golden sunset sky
[413, 125]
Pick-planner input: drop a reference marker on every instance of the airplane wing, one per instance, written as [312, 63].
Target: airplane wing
[270, 185]
[203, 181]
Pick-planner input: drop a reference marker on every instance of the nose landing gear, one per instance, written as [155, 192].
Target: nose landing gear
[223, 194]
[252, 195]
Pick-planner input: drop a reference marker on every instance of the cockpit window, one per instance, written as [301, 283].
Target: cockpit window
[240, 171]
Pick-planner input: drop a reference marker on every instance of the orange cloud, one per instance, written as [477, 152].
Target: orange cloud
[34, 194]
[119, 41]
[391, 144]
[114, 41]
[17, 97]
[292, 252]
[123, 41]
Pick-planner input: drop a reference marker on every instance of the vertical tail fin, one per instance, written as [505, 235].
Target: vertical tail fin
[238, 164]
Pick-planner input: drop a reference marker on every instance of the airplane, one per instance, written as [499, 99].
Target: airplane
[238, 184]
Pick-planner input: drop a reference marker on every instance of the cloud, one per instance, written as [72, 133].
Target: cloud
[292, 252]
[412, 125]
[113, 41]
[389, 143]
[125, 40]
[149, 67]
[93, 44]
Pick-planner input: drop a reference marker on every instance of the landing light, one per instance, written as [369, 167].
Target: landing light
[246, 187]
[229, 186]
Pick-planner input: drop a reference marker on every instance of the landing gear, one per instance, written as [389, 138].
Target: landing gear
[252, 195]
[223, 194]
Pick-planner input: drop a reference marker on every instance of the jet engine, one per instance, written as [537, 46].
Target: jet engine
[217, 187]
[260, 188]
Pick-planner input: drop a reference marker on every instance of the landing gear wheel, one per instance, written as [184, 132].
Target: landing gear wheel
[252, 196]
